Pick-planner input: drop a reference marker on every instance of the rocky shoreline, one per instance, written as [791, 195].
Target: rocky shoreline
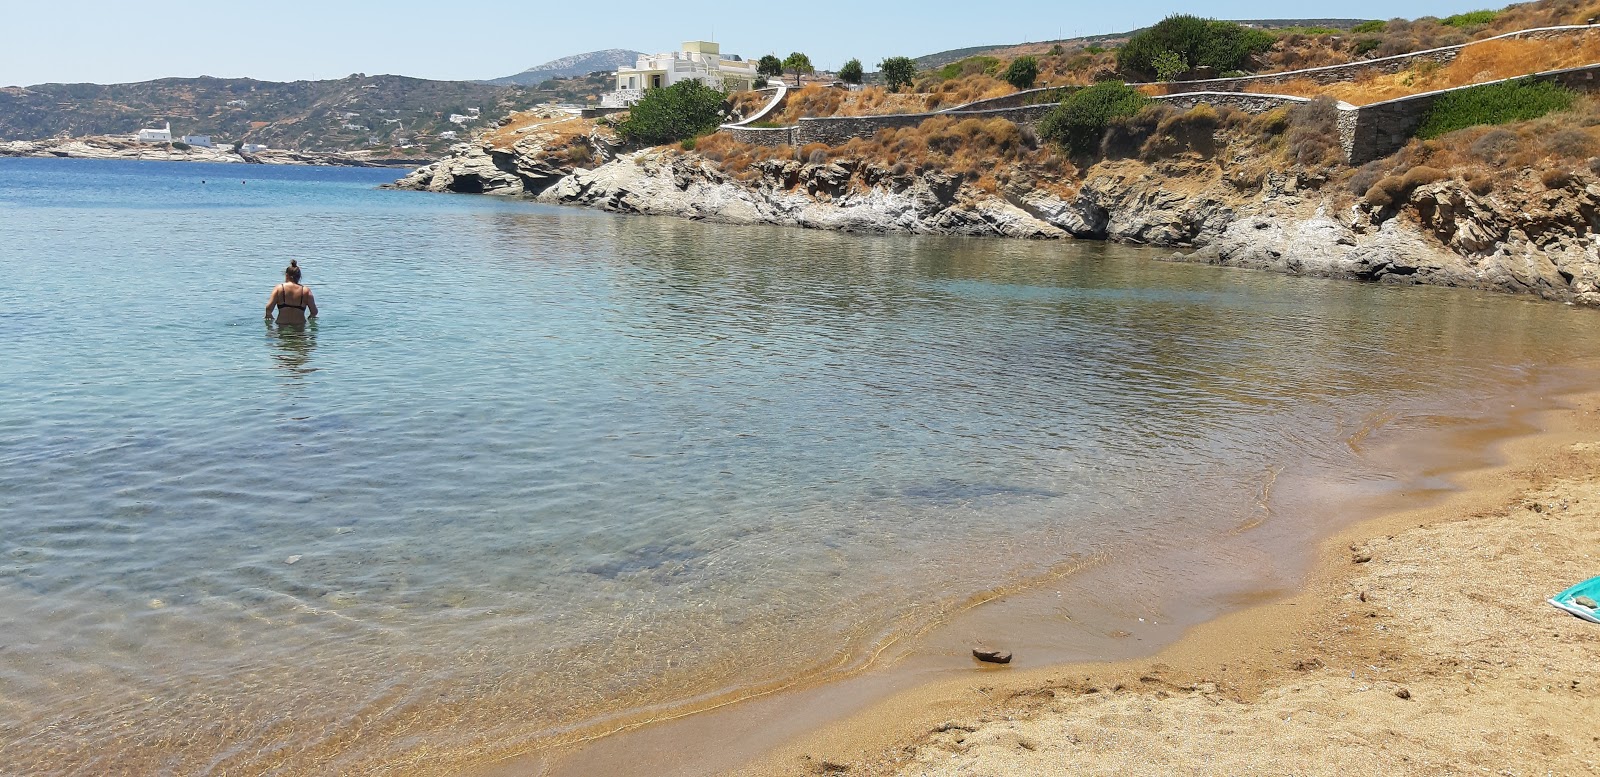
[1531, 237]
[122, 148]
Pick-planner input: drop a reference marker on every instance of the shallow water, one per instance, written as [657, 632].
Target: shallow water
[537, 466]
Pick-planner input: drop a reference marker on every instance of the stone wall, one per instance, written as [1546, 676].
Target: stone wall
[1247, 102]
[1026, 97]
[1356, 70]
[764, 136]
[1380, 129]
[837, 130]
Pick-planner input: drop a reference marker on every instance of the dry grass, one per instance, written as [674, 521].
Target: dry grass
[989, 153]
[958, 91]
[817, 101]
[747, 103]
[1489, 61]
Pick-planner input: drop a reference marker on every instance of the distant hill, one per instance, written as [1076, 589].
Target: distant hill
[357, 113]
[942, 58]
[575, 65]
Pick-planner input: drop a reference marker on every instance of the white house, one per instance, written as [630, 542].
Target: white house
[149, 135]
[447, 135]
[252, 148]
[699, 60]
[456, 118]
[204, 141]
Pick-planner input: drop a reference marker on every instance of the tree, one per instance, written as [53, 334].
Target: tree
[798, 64]
[1080, 121]
[1168, 66]
[1197, 42]
[684, 110]
[769, 65]
[898, 72]
[1022, 72]
[851, 72]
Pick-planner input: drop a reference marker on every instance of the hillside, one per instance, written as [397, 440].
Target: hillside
[357, 113]
[567, 67]
[942, 58]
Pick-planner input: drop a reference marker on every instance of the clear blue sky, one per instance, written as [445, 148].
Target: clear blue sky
[113, 41]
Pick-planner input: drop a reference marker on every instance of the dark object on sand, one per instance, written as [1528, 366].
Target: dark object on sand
[992, 656]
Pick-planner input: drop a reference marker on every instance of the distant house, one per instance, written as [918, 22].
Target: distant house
[456, 118]
[204, 141]
[473, 112]
[237, 104]
[163, 135]
[447, 135]
[251, 148]
[699, 60]
[350, 126]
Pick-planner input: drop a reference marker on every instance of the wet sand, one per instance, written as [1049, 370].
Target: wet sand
[1419, 642]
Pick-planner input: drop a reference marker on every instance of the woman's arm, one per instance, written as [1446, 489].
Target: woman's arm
[311, 302]
[272, 299]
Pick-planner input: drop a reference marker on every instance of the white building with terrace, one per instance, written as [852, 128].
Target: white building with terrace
[699, 60]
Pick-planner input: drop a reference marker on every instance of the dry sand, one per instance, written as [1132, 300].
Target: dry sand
[1422, 644]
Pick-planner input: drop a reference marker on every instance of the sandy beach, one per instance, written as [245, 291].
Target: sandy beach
[1421, 644]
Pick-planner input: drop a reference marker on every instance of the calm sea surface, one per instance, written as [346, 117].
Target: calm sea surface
[537, 466]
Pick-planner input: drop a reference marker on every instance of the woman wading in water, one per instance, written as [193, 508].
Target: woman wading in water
[291, 299]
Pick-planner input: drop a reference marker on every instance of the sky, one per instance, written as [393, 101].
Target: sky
[116, 41]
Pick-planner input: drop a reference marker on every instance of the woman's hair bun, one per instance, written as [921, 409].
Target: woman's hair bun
[294, 263]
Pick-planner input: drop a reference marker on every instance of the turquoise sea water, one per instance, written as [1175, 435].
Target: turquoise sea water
[535, 466]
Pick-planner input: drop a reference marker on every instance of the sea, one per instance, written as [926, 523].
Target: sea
[534, 468]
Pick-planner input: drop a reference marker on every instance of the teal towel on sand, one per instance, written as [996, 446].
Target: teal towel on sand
[1566, 600]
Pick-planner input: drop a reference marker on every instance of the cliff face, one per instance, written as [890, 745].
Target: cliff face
[1528, 237]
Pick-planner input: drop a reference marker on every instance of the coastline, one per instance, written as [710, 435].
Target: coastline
[1377, 662]
[1296, 646]
[100, 148]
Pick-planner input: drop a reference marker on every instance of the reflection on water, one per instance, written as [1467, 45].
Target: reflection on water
[607, 463]
[292, 347]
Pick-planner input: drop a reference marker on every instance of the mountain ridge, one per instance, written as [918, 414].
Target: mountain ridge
[569, 66]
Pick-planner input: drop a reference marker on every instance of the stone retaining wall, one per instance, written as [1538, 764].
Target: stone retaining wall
[1380, 129]
[1365, 133]
[1333, 74]
[765, 136]
[837, 130]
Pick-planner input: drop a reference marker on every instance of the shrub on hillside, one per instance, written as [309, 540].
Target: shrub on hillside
[684, 110]
[1493, 104]
[1022, 72]
[1313, 136]
[1127, 136]
[1081, 120]
[1192, 130]
[1469, 19]
[851, 72]
[1197, 42]
[898, 72]
[1368, 27]
[1556, 178]
[971, 66]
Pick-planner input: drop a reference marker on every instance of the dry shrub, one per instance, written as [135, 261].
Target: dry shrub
[1386, 192]
[1556, 178]
[1364, 178]
[1494, 146]
[738, 159]
[1570, 143]
[815, 153]
[1125, 137]
[1193, 130]
[970, 147]
[1422, 176]
[1480, 183]
[1313, 137]
[1594, 165]
[1273, 122]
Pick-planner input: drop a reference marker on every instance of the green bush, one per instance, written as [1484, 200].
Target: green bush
[1369, 27]
[851, 72]
[1365, 46]
[1022, 72]
[1469, 19]
[684, 110]
[1081, 119]
[1169, 66]
[1500, 103]
[898, 72]
[1197, 42]
[969, 67]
